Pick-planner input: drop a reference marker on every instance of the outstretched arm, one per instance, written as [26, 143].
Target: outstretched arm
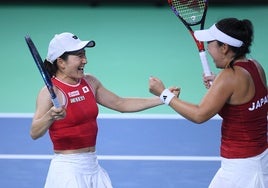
[111, 100]
[210, 105]
[125, 104]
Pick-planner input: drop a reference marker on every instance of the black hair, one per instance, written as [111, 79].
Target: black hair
[51, 67]
[238, 29]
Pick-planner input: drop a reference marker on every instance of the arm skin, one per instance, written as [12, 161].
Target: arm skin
[221, 92]
[121, 104]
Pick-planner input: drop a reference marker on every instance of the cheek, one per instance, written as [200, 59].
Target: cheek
[73, 64]
[209, 47]
[210, 50]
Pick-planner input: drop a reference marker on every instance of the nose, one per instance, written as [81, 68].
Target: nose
[84, 60]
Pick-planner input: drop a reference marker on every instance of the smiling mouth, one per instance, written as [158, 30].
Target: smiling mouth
[81, 68]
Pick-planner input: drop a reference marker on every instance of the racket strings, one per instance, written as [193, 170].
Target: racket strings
[191, 11]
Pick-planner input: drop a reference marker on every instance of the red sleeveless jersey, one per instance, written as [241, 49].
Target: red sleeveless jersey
[244, 127]
[79, 128]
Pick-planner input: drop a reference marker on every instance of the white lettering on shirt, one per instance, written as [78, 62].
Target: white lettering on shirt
[259, 103]
[73, 93]
[77, 99]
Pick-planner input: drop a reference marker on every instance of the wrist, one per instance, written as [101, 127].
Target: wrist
[166, 96]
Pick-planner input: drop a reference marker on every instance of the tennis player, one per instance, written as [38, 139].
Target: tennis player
[239, 95]
[73, 127]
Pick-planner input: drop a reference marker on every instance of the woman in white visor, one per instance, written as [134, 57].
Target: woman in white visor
[239, 95]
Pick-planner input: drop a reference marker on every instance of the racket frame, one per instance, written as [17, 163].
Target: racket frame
[199, 44]
[40, 65]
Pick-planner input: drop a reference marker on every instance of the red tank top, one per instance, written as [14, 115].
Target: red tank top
[79, 128]
[244, 127]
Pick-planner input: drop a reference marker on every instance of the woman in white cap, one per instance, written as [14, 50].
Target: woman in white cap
[239, 95]
[73, 127]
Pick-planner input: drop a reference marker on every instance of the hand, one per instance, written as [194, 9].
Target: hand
[207, 80]
[156, 86]
[57, 113]
[175, 90]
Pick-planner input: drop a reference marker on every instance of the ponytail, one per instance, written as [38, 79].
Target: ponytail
[51, 68]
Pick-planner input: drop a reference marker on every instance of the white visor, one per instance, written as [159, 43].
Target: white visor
[213, 33]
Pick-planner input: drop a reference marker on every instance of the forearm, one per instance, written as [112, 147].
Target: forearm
[137, 104]
[189, 111]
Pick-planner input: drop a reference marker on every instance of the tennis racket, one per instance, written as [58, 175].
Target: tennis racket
[42, 70]
[193, 13]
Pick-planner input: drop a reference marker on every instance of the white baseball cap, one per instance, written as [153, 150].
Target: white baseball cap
[213, 33]
[65, 42]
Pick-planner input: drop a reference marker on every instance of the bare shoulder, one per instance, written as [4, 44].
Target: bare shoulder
[225, 76]
[223, 82]
[44, 96]
[44, 91]
[92, 80]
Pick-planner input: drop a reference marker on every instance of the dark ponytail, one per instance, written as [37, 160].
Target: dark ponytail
[51, 67]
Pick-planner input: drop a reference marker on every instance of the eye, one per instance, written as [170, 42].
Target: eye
[80, 55]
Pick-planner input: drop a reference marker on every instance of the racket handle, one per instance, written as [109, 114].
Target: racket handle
[204, 62]
[205, 65]
[55, 102]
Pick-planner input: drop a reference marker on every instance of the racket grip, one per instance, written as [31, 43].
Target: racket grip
[55, 102]
[205, 65]
[204, 62]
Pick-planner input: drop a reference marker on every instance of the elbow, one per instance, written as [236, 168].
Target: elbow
[121, 111]
[203, 117]
[124, 111]
[34, 136]
[199, 119]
